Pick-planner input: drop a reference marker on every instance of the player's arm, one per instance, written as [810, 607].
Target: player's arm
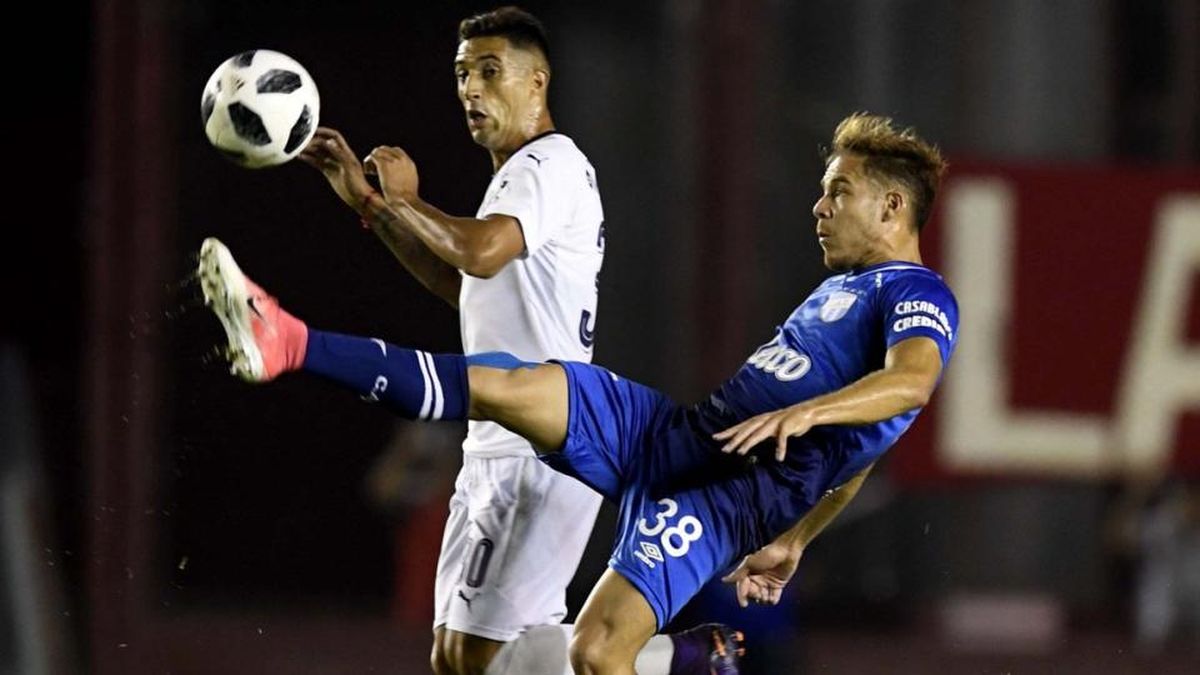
[819, 516]
[331, 154]
[439, 277]
[906, 381]
[480, 247]
[762, 575]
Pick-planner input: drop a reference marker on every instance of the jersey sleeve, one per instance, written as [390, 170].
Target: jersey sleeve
[537, 191]
[920, 306]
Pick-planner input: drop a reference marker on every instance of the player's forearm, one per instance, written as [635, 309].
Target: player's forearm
[878, 396]
[460, 242]
[436, 275]
[819, 516]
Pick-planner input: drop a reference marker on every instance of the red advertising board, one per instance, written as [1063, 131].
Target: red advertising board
[1079, 337]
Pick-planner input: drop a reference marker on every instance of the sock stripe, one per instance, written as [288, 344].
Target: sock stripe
[427, 403]
[438, 397]
[435, 387]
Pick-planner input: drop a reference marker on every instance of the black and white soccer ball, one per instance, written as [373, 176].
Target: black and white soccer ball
[260, 108]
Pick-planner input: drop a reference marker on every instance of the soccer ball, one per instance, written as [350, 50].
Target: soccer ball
[260, 108]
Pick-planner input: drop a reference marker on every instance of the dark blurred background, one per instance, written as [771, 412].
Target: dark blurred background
[1043, 515]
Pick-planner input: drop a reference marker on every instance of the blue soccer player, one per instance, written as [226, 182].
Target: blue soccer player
[749, 475]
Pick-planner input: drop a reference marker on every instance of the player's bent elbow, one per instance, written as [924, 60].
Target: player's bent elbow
[919, 394]
[483, 264]
[921, 398]
[481, 270]
[486, 250]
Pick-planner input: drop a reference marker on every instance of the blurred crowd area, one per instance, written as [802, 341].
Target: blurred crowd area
[1042, 516]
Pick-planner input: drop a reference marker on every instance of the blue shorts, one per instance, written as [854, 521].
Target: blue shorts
[684, 515]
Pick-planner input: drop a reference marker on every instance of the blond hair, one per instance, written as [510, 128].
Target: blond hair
[893, 155]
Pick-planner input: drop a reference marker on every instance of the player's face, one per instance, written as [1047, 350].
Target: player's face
[500, 90]
[849, 215]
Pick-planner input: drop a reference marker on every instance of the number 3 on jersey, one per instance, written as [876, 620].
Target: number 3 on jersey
[675, 540]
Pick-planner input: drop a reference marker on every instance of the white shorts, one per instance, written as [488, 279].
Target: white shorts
[514, 537]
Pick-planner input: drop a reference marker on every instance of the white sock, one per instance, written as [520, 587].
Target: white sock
[542, 650]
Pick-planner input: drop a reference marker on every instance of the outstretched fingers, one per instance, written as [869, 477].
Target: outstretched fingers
[740, 580]
[740, 438]
[752, 588]
[380, 153]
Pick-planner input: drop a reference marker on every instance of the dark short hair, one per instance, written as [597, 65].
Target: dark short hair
[520, 28]
[898, 155]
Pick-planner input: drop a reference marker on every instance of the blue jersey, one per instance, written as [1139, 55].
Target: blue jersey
[687, 511]
[839, 334]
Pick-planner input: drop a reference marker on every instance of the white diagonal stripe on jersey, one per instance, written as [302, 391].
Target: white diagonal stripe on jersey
[439, 399]
[428, 402]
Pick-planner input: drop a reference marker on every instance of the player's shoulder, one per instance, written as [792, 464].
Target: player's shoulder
[902, 278]
[552, 147]
[896, 272]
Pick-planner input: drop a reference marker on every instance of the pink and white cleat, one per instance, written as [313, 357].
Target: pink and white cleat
[264, 340]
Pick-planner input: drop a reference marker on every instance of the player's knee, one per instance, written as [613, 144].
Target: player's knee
[592, 652]
[468, 655]
[438, 663]
[438, 660]
[444, 658]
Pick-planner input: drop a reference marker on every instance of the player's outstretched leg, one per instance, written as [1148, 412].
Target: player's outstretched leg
[265, 341]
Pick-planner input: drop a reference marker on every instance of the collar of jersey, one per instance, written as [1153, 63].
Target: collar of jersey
[548, 132]
[888, 265]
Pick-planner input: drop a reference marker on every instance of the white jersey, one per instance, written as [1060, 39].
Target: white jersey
[542, 305]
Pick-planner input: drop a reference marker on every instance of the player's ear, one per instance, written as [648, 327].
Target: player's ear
[541, 78]
[893, 204]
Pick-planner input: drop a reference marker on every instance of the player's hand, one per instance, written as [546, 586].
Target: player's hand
[396, 171]
[329, 152]
[781, 424]
[763, 574]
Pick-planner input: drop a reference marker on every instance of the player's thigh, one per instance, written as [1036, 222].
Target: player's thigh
[529, 401]
[611, 424]
[613, 626]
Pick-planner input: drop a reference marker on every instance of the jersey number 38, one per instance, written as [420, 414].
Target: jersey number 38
[676, 540]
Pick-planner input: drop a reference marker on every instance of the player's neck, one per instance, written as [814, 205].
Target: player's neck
[909, 252]
[543, 126]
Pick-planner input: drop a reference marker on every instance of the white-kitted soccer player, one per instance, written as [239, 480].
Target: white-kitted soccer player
[522, 273]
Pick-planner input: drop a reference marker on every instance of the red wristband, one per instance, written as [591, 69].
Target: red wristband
[366, 207]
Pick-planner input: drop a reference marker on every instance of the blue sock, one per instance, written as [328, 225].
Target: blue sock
[415, 384]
